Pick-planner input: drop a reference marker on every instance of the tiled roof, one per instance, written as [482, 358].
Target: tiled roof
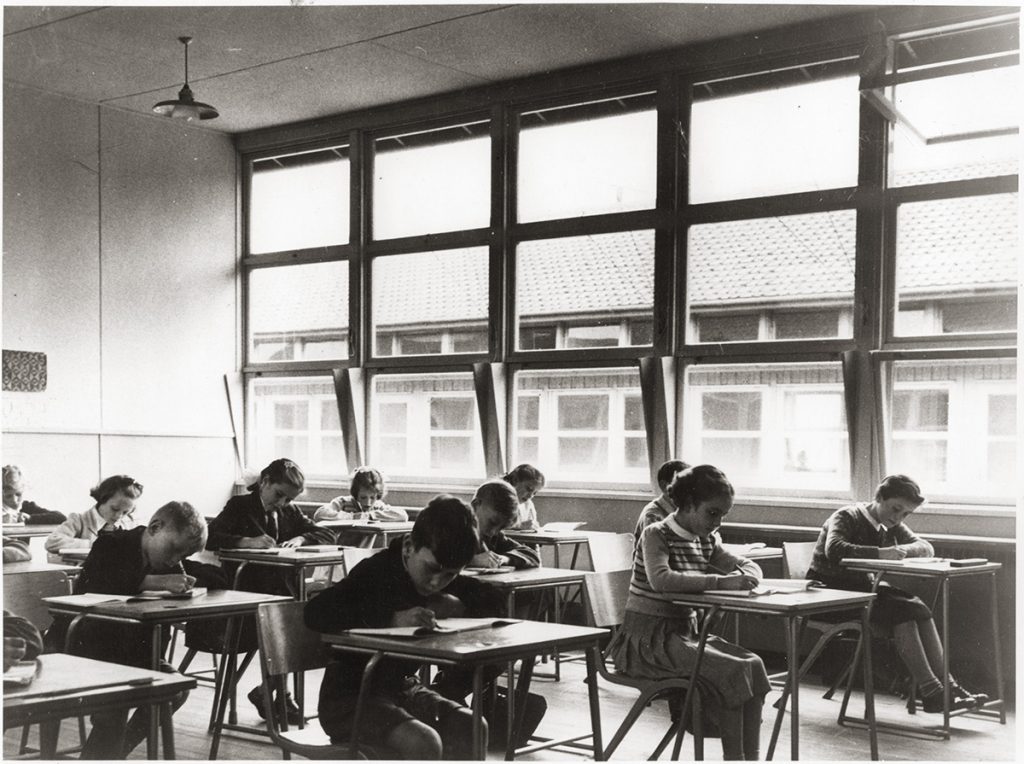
[962, 243]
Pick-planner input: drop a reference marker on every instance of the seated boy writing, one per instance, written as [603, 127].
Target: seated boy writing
[129, 562]
[411, 583]
[496, 506]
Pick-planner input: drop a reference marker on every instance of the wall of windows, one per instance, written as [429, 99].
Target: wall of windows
[779, 223]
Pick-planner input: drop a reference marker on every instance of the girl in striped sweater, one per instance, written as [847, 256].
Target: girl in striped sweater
[658, 638]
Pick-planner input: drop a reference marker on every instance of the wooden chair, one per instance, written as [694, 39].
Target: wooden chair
[796, 560]
[288, 647]
[610, 551]
[605, 595]
[23, 593]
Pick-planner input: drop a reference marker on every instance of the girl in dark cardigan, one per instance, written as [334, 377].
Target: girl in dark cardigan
[876, 531]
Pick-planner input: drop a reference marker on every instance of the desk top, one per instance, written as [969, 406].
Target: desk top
[221, 602]
[490, 645]
[532, 577]
[790, 603]
[548, 538]
[368, 526]
[68, 684]
[74, 555]
[294, 557]
[21, 531]
[31, 566]
[910, 567]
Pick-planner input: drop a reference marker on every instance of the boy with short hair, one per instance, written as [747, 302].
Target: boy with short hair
[411, 583]
[661, 507]
[129, 562]
[496, 506]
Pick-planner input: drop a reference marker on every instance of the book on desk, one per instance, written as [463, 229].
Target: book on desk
[770, 586]
[443, 626]
[21, 674]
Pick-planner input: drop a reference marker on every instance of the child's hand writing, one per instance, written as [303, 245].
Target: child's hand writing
[485, 560]
[737, 582]
[415, 616]
[14, 651]
[171, 582]
[294, 542]
[257, 542]
[891, 553]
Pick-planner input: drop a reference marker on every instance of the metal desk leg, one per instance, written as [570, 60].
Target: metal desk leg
[153, 737]
[945, 656]
[479, 739]
[522, 691]
[167, 727]
[299, 678]
[996, 648]
[869, 685]
[593, 656]
[231, 639]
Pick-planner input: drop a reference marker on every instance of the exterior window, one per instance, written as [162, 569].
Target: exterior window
[430, 303]
[588, 159]
[953, 427]
[787, 139]
[433, 181]
[299, 201]
[296, 418]
[769, 427]
[957, 127]
[588, 287]
[425, 426]
[749, 267]
[583, 425]
[298, 312]
[956, 265]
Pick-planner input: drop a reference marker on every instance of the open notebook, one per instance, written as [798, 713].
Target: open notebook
[443, 626]
[770, 586]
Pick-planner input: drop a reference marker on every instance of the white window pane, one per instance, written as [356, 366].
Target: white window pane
[572, 424]
[956, 265]
[299, 201]
[432, 182]
[788, 139]
[959, 117]
[952, 427]
[750, 267]
[588, 159]
[581, 291]
[295, 417]
[298, 312]
[770, 427]
[430, 302]
[425, 426]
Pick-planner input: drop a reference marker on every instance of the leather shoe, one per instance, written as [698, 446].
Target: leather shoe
[932, 704]
[255, 697]
[955, 688]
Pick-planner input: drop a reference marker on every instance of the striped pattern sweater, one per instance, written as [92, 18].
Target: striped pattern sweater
[670, 560]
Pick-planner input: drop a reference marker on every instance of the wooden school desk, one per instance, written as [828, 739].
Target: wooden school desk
[22, 531]
[155, 614]
[942, 573]
[373, 529]
[67, 685]
[556, 540]
[794, 608]
[477, 649]
[31, 566]
[293, 558]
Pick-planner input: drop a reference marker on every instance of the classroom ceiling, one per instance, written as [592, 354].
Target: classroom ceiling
[263, 66]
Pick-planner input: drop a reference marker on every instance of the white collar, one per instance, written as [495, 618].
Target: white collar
[679, 530]
[865, 510]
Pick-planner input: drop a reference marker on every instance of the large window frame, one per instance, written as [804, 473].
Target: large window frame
[781, 57]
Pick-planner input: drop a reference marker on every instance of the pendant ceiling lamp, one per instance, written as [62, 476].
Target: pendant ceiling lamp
[186, 107]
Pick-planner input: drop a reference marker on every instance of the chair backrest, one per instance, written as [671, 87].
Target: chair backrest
[606, 594]
[353, 555]
[23, 593]
[796, 557]
[286, 645]
[610, 551]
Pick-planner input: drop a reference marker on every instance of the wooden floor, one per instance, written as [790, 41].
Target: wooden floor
[974, 739]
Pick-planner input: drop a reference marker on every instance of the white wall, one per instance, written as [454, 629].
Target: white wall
[119, 259]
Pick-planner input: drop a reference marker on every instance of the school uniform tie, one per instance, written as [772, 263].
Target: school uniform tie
[272, 524]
